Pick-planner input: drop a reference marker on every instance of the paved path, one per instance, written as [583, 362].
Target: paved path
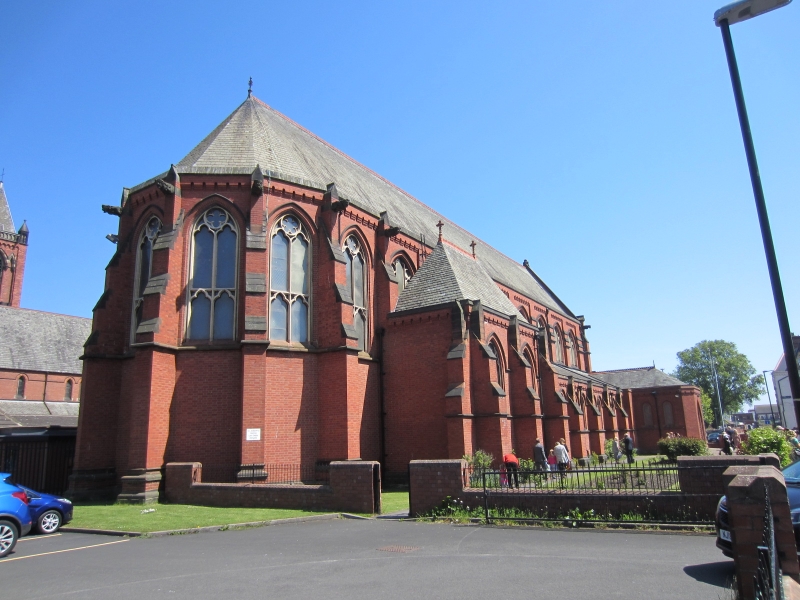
[352, 559]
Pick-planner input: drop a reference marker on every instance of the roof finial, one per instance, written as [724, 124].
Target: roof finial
[440, 225]
[250, 87]
[472, 245]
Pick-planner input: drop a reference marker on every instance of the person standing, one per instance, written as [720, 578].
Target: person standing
[562, 456]
[539, 457]
[511, 463]
[627, 446]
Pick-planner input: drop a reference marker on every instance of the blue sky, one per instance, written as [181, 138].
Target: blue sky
[597, 140]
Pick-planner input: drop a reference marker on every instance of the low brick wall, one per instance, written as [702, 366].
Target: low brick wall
[354, 487]
[701, 486]
[705, 475]
[745, 488]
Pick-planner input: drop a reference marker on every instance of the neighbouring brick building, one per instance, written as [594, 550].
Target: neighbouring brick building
[273, 301]
[13, 248]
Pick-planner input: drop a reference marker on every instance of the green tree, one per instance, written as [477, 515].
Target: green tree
[708, 407]
[738, 382]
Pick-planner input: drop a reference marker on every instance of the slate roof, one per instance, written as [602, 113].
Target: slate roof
[643, 377]
[27, 413]
[31, 340]
[256, 134]
[448, 274]
[6, 221]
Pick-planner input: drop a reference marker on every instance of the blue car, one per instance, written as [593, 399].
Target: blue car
[15, 518]
[48, 512]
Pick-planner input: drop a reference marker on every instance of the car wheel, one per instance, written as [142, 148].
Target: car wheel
[49, 522]
[8, 537]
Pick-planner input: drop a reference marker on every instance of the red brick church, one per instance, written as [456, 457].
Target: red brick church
[271, 301]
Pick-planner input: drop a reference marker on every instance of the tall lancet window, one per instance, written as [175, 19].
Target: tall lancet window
[402, 274]
[212, 287]
[557, 347]
[290, 282]
[573, 351]
[356, 283]
[144, 268]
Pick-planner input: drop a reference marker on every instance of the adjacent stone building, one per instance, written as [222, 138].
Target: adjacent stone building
[13, 249]
[273, 302]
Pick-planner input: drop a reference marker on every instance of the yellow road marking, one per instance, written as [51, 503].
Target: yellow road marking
[38, 537]
[5, 560]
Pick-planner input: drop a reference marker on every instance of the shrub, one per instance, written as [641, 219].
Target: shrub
[766, 439]
[672, 448]
[480, 462]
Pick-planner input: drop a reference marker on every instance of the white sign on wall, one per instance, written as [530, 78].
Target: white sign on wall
[253, 435]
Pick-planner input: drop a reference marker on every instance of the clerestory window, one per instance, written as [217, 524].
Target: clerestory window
[68, 390]
[21, 387]
[212, 285]
[356, 283]
[144, 268]
[290, 282]
[573, 351]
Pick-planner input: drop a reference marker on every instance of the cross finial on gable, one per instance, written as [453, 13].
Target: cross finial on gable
[472, 245]
[440, 225]
[250, 87]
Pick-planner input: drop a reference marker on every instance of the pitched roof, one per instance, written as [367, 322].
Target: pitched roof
[27, 413]
[31, 340]
[447, 275]
[6, 222]
[256, 134]
[642, 377]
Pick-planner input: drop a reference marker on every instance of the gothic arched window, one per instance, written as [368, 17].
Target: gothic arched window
[647, 415]
[21, 387]
[557, 347]
[498, 365]
[212, 285]
[68, 390]
[573, 351]
[144, 268]
[534, 379]
[402, 273]
[2, 270]
[290, 282]
[668, 419]
[357, 284]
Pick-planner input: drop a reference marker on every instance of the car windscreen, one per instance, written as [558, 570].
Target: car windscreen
[792, 473]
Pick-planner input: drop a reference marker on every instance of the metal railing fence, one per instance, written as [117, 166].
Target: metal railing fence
[768, 579]
[620, 478]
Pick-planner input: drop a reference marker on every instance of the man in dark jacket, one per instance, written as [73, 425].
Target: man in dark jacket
[540, 457]
[627, 446]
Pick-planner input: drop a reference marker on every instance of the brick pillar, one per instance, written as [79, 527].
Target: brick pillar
[431, 481]
[745, 490]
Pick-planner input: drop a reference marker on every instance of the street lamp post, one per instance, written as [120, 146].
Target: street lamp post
[772, 412]
[724, 18]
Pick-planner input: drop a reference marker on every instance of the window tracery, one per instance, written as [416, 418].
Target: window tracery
[573, 353]
[356, 283]
[212, 285]
[498, 364]
[557, 345]
[402, 273]
[144, 268]
[290, 277]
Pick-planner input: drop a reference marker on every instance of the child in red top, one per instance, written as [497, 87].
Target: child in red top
[551, 460]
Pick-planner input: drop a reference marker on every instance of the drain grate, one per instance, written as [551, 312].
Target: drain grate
[401, 549]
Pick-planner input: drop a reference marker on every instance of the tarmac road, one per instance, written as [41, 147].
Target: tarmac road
[352, 559]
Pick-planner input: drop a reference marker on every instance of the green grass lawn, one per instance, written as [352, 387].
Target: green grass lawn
[129, 517]
[394, 501]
